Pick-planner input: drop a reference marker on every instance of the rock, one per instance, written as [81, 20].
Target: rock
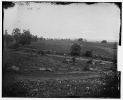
[45, 69]
[91, 69]
[42, 69]
[49, 69]
[35, 89]
[14, 68]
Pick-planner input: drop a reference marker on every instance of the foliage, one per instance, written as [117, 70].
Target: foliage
[7, 38]
[13, 46]
[85, 84]
[16, 34]
[25, 37]
[75, 49]
[88, 53]
[80, 39]
[41, 38]
[104, 41]
[34, 38]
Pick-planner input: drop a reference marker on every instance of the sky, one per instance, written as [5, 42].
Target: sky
[97, 22]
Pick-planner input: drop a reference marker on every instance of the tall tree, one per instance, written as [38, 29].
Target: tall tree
[25, 37]
[16, 34]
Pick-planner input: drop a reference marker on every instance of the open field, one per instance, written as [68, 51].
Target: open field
[63, 80]
[64, 46]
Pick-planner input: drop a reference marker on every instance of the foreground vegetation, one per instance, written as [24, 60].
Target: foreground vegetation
[63, 80]
[101, 85]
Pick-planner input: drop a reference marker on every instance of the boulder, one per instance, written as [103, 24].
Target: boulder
[45, 69]
[15, 68]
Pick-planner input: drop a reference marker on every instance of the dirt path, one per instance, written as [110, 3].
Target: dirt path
[78, 58]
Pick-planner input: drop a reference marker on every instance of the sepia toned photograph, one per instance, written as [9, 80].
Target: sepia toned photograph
[60, 49]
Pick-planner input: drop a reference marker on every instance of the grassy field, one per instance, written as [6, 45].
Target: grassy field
[65, 79]
[105, 49]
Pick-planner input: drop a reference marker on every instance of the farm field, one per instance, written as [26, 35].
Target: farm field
[61, 80]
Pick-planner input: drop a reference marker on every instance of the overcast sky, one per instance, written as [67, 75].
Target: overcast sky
[94, 22]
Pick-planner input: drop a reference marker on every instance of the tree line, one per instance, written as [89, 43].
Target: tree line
[25, 37]
[19, 37]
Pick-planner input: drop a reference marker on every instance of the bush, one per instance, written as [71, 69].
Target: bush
[88, 53]
[40, 52]
[80, 39]
[25, 37]
[75, 49]
[16, 34]
[34, 38]
[13, 46]
[8, 38]
[104, 41]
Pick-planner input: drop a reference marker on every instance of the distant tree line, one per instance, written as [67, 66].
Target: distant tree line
[60, 39]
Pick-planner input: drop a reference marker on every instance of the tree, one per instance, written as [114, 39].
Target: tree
[34, 38]
[80, 39]
[7, 38]
[75, 49]
[88, 53]
[41, 38]
[25, 37]
[6, 33]
[104, 41]
[16, 34]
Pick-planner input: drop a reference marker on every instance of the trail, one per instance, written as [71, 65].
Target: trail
[78, 58]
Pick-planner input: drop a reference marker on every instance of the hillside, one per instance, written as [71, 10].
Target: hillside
[105, 49]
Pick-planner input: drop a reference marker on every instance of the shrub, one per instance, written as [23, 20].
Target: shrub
[34, 38]
[75, 49]
[13, 46]
[16, 34]
[80, 39]
[25, 37]
[7, 38]
[104, 41]
[40, 52]
[88, 53]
